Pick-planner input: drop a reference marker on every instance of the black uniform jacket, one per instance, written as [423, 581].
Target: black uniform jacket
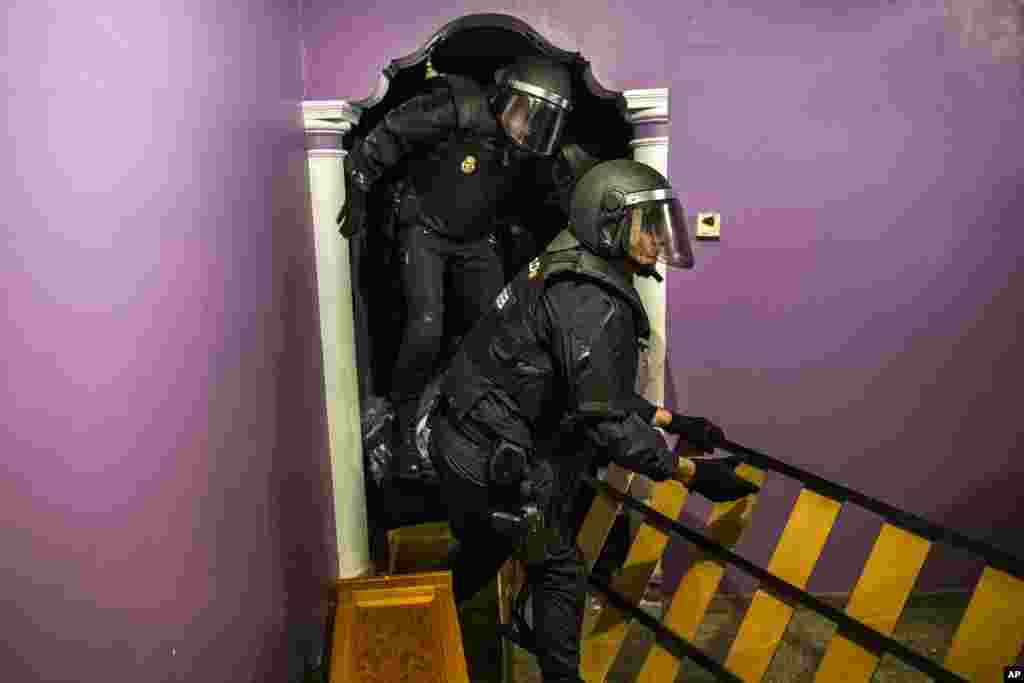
[460, 169]
[558, 353]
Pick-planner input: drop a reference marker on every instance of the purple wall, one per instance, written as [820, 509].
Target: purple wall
[164, 450]
[859, 316]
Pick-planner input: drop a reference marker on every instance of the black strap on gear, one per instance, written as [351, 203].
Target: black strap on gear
[509, 464]
[649, 271]
[565, 255]
[519, 632]
[527, 528]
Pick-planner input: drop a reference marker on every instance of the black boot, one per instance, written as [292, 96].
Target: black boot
[520, 634]
[409, 463]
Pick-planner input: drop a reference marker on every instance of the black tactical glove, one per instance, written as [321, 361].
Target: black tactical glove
[700, 433]
[716, 481]
[352, 218]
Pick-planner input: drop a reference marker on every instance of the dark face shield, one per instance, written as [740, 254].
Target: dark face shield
[661, 223]
[533, 117]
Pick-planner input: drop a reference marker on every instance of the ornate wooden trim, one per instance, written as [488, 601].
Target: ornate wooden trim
[418, 59]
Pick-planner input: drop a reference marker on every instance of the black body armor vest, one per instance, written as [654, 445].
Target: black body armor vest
[511, 349]
[461, 180]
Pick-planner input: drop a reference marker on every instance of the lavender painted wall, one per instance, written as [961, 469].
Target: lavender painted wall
[859, 317]
[164, 493]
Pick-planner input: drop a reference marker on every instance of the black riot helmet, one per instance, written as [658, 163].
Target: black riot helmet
[625, 209]
[533, 102]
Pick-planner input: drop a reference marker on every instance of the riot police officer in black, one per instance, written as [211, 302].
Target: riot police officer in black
[548, 375]
[465, 150]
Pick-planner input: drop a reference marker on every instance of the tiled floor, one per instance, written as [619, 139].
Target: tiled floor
[926, 629]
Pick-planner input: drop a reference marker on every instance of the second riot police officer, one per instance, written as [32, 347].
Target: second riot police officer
[548, 375]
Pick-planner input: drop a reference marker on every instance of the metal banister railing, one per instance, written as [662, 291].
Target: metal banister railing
[864, 635]
[990, 634]
[993, 556]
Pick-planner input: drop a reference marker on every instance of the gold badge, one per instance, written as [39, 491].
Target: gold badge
[469, 164]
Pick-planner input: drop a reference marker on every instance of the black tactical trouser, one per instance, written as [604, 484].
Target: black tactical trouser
[558, 585]
[437, 272]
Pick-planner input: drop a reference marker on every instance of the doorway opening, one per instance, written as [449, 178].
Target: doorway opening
[476, 46]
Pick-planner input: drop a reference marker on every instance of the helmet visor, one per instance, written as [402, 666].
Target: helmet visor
[658, 223]
[531, 121]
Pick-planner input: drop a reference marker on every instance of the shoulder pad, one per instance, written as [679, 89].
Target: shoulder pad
[578, 160]
[473, 110]
[565, 257]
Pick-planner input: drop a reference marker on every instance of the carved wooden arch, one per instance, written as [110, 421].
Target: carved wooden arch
[477, 45]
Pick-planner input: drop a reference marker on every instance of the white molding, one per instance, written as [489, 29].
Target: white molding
[321, 127]
[646, 98]
[648, 105]
[333, 153]
[652, 115]
[661, 141]
[329, 109]
[328, 116]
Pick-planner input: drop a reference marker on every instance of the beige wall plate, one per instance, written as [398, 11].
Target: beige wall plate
[709, 226]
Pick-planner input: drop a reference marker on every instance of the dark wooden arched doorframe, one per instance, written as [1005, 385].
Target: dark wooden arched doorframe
[474, 45]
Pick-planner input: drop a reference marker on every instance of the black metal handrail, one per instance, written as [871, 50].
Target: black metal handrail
[679, 647]
[860, 633]
[993, 556]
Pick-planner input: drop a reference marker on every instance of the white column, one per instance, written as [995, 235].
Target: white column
[648, 112]
[325, 123]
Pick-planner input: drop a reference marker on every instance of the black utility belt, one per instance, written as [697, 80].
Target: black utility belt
[508, 464]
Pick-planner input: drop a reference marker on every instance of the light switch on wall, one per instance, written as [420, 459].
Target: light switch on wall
[709, 226]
